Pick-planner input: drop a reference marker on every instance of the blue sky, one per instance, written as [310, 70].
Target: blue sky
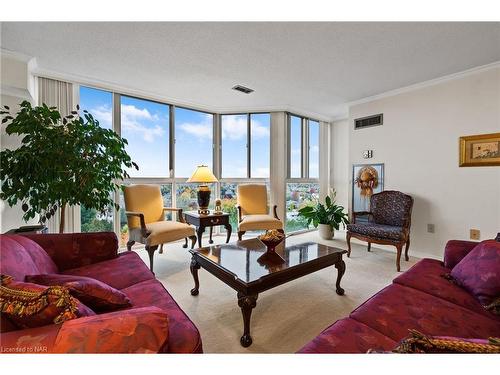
[145, 126]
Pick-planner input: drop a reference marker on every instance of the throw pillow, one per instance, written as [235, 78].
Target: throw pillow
[420, 343]
[479, 272]
[30, 305]
[94, 293]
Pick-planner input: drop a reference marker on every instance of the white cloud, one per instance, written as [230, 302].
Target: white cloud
[202, 130]
[133, 120]
[130, 111]
[103, 115]
[235, 128]
[260, 172]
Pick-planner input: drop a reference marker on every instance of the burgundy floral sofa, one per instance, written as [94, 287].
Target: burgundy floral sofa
[153, 323]
[420, 299]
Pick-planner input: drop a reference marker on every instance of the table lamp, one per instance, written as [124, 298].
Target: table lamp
[203, 175]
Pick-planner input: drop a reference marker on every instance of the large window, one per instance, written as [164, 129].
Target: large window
[234, 130]
[299, 195]
[260, 142]
[193, 141]
[246, 145]
[295, 147]
[145, 125]
[99, 103]
[313, 149]
[302, 188]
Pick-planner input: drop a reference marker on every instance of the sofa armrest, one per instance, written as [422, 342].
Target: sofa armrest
[73, 250]
[456, 250]
[139, 330]
[32, 340]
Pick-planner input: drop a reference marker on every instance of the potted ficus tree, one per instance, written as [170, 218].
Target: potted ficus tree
[62, 161]
[327, 217]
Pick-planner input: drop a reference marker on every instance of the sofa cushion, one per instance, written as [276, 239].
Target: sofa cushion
[183, 334]
[20, 257]
[125, 270]
[162, 232]
[427, 276]
[142, 330]
[479, 272]
[397, 308]
[377, 230]
[348, 336]
[94, 293]
[259, 222]
[29, 305]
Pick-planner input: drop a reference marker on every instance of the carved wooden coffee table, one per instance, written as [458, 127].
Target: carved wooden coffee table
[237, 265]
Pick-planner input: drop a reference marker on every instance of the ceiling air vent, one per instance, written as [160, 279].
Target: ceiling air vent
[242, 89]
[368, 121]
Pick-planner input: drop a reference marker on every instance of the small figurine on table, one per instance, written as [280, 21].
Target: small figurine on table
[218, 207]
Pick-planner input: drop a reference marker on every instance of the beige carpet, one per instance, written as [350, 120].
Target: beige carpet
[286, 317]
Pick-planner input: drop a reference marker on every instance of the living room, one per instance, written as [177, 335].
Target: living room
[250, 187]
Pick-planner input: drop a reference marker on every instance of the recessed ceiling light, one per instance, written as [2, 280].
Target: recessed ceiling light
[242, 89]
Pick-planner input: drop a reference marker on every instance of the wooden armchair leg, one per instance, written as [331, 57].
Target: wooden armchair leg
[161, 249]
[369, 246]
[151, 251]
[240, 234]
[348, 239]
[185, 243]
[130, 244]
[399, 248]
[193, 241]
[407, 258]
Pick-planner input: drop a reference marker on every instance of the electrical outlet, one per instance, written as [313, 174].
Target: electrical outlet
[475, 234]
[430, 228]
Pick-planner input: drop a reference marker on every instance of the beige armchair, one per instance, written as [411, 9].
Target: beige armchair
[146, 220]
[253, 213]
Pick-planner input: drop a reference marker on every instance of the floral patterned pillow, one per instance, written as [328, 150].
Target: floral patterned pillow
[94, 293]
[30, 305]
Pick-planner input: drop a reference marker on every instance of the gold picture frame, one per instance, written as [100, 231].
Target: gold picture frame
[480, 150]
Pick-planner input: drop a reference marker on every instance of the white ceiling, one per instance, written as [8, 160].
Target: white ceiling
[309, 68]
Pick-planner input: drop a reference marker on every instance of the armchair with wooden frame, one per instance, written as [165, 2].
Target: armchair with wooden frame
[389, 221]
[146, 220]
[253, 213]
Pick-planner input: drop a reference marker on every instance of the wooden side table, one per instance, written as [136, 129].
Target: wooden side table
[29, 229]
[211, 220]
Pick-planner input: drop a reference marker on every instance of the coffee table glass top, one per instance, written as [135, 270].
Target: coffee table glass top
[241, 258]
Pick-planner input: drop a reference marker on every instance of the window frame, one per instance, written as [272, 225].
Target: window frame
[248, 147]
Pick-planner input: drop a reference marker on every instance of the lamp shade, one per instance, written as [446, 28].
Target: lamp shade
[202, 174]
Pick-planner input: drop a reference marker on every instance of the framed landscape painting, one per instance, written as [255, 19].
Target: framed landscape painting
[480, 150]
[367, 179]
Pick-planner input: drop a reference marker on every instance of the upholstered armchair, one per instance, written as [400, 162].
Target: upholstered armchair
[146, 220]
[388, 223]
[253, 213]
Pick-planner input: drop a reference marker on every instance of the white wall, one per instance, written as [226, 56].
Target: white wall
[17, 85]
[340, 160]
[418, 143]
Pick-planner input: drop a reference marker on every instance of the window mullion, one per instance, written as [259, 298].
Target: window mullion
[171, 131]
[249, 147]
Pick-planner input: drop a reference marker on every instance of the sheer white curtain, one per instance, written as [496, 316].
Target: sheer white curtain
[60, 95]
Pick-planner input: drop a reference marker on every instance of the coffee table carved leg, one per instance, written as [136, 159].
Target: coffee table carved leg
[246, 303]
[229, 229]
[340, 266]
[194, 271]
[199, 232]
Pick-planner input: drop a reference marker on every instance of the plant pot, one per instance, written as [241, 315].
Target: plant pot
[325, 231]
